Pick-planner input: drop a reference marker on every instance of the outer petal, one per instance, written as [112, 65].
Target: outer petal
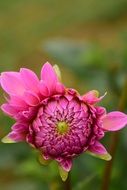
[60, 88]
[63, 173]
[17, 137]
[31, 98]
[114, 121]
[66, 164]
[17, 102]
[49, 76]
[44, 88]
[92, 97]
[8, 109]
[43, 161]
[11, 82]
[30, 79]
[20, 127]
[6, 139]
[98, 150]
[57, 70]
[18, 133]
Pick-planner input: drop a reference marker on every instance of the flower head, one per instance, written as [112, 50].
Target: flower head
[57, 121]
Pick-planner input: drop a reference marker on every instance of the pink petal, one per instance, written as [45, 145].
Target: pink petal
[63, 102]
[20, 127]
[92, 97]
[31, 98]
[17, 137]
[114, 121]
[51, 107]
[60, 88]
[18, 133]
[11, 82]
[49, 76]
[30, 79]
[8, 109]
[66, 164]
[98, 148]
[43, 88]
[17, 102]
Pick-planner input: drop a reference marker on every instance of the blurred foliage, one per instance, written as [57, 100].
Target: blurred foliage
[88, 40]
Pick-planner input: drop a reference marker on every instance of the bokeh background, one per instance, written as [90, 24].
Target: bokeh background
[88, 40]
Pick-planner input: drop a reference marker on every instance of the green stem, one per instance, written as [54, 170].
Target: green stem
[114, 143]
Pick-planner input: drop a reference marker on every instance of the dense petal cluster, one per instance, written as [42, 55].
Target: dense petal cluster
[56, 120]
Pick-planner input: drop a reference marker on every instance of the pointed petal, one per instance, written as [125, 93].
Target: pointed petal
[30, 79]
[18, 102]
[60, 89]
[18, 133]
[92, 97]
[9, 110]
[11, 82]
[106, 157]
[43, 88]
[63, 173]
[20, 127]
[6, 139]
[114, 121]
[31, 98]
[43, 161]
[58, 72]
[14, 136]
[99, 151]
[49, 76]
[66, 164]
[48, 73]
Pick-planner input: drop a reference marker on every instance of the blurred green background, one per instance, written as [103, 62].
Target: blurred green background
[88, 40]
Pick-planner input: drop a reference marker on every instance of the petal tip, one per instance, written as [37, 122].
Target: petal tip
[43, 161]
[57, 71]
[63, 174]
[106, 157]
[6, 139]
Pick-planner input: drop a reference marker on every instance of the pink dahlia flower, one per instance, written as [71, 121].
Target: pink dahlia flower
[55, 120]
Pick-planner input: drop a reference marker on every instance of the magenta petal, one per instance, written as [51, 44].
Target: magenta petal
[11, 82]
[10, 110]
[17, 102]
[30, 79]
[19, 132]
[114, 121]
[97, 148]
[66, 164]
[92, 97]
[43, 89]
[49, 76]
[60, 88]
[31, 98]
[20, 127]
[99, 151]
[48, 73]
[16, 136]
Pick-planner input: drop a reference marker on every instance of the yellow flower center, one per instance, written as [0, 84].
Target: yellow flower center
[62, 127]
